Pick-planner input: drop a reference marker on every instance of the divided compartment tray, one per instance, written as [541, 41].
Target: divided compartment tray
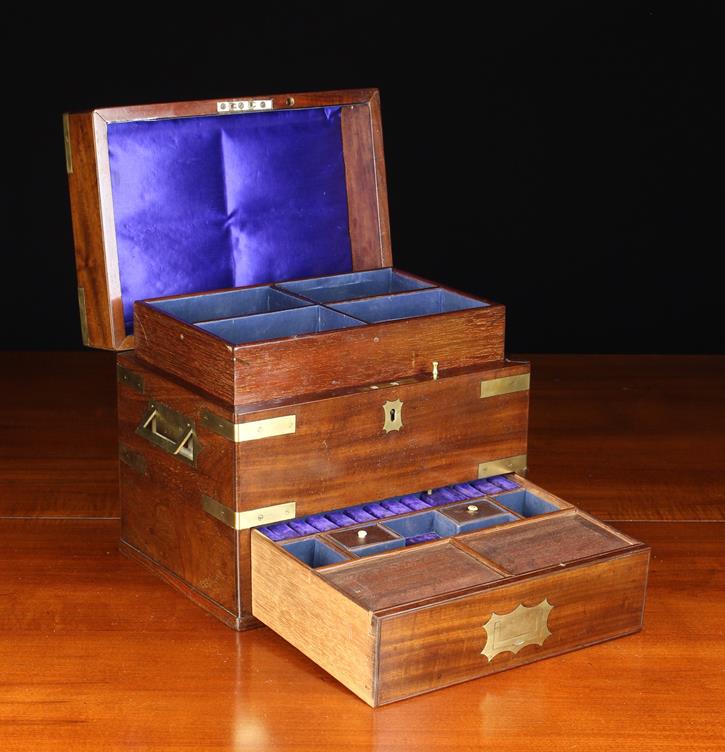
[415, 618]
[339, 300]
[229, 304]
[407, 305]
[414, 518]
[317, 334]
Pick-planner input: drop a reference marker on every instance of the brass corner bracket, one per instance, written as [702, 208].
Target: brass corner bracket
[249, 518]
[516, 464]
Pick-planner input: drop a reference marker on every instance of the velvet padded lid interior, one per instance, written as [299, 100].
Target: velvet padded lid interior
[204, 203]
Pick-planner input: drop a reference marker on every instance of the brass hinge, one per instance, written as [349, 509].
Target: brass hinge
[250, 431]
[84, 316]
[66, 141]
[130, 379]
[516, 464]
[505, 385]
[249, 518]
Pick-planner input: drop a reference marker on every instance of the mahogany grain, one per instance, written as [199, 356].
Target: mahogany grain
[631, 437]
[261, 371]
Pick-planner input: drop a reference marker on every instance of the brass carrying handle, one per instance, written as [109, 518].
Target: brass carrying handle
[179, 445]
[152, 429]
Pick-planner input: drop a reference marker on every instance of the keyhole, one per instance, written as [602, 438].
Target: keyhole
[393, 415]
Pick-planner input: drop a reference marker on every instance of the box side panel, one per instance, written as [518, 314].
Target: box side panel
[311, 615]
[341, 452]
[444, 644]
[188, 353]
[94, 296]
[162, 516]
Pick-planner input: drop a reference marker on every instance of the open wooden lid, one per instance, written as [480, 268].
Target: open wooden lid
[194, 196]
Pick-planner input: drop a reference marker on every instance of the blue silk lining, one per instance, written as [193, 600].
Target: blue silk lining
[428, 524]
[205, 203]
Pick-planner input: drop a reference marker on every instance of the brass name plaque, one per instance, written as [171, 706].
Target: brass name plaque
[525, 625]
[245, 105]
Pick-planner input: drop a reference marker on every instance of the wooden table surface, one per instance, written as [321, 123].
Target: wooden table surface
[97, 654]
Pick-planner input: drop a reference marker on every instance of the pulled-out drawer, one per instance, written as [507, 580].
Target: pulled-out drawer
[407, 602]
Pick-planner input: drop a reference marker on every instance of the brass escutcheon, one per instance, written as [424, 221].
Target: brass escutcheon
[393, 412]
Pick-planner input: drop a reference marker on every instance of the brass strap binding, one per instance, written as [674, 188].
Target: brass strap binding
[135, 460]
[170, 431]
[505, 385]
[249, 518]
[253, 430]
[130, 379]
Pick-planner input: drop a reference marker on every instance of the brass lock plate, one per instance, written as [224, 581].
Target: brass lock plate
[393, 412]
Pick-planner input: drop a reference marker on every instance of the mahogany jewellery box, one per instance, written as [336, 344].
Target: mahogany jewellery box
[308, 437]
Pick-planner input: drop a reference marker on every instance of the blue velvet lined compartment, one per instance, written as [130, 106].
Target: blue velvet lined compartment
[406, 305]
[380, 510]
[525, 502]
[314, 553]
[278, 324]
[419, 528]
[204, 203]
[355, 285]
[230, 304]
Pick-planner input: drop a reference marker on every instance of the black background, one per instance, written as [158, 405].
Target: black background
[561, 158]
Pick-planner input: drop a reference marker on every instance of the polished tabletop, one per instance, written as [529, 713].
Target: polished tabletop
[98, 654]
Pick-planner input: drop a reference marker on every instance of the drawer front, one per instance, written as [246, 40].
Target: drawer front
[386, 441]
[540, 617]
